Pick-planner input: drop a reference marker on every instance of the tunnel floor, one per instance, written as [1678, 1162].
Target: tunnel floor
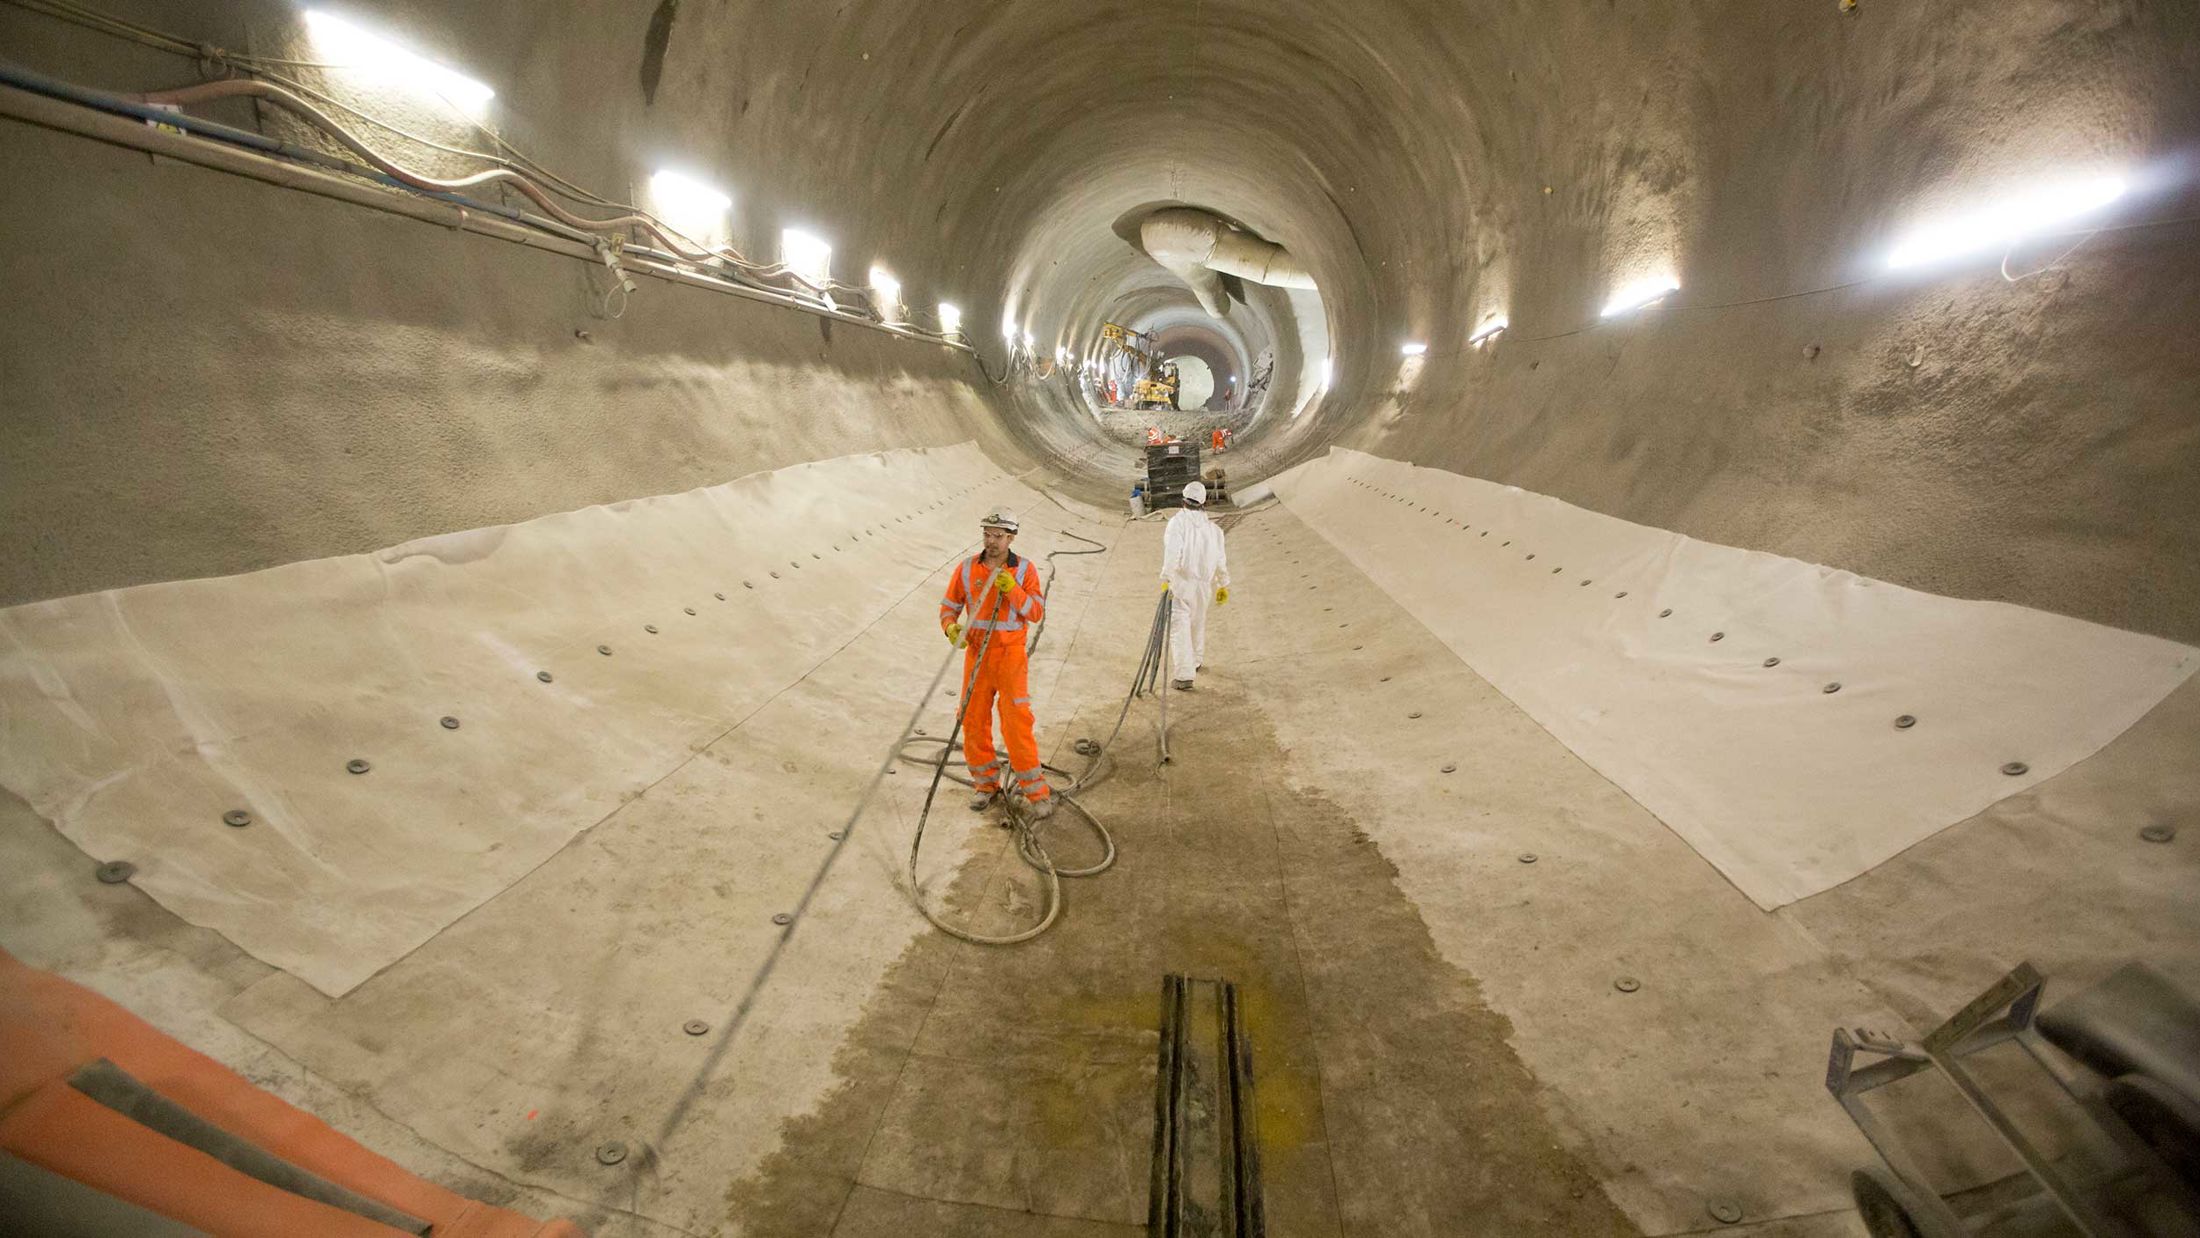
[1439, 1043]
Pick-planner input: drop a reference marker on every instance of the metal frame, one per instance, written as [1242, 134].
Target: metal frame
[2003, 1013]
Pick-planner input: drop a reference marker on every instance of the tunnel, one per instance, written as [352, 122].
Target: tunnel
[1700, 595]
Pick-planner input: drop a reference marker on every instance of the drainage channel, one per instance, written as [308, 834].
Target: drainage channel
[1206, 1156]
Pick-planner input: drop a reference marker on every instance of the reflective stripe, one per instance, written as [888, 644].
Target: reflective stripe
[988, 767]
[995, 625]
[1023, 700]
[1027, 774]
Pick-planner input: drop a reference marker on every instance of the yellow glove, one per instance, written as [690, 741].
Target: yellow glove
[1004, 581]
[1222, 595]
[955, 634]
[1164, 586]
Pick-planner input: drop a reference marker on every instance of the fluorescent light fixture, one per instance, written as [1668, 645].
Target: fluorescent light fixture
[355, 48]
[693, 208]
[1412, 350]
[951, 318]
[2008, 221]
[1030, 340]
[1488, 332]
[1009, 330]
[806, 256]
[886, 292]
[1640, 293]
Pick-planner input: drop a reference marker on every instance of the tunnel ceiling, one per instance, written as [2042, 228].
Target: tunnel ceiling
[1437, 166]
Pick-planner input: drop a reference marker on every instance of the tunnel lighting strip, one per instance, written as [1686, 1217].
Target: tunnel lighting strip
[887, 290]
[807, 256]
[2018, 217]
[685, 194]
[354, 48]
[66, 108]
[1412, 350]
[265, 77]
[1640, 293]
[1489, 331]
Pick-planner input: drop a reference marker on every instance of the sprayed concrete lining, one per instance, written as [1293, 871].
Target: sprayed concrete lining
[209, 375]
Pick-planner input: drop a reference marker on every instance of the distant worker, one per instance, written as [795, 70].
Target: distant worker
[1153, 436]
[1002, 596]
[1193, 569]
[1216, 438]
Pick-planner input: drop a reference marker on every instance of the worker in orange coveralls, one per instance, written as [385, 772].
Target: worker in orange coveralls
[1003, 599]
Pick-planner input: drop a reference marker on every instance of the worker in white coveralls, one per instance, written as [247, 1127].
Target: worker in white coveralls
[1194, 570]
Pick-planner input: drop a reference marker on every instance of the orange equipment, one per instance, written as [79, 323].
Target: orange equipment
[54, 1032]
[999, 623]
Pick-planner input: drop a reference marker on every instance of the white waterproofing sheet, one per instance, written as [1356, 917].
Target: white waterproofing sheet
[1652, 656]
[136, 718]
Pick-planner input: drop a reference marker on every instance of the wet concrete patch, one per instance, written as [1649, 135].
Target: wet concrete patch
[1388, 1098]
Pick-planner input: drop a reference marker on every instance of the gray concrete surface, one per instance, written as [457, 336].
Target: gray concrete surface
[1418, 997]
[203, 375]
[1432, 162]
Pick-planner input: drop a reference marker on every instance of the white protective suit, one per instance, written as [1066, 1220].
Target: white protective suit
[1194, 566]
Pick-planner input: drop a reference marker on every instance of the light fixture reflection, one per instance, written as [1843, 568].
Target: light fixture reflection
[951, 318]
[1640, 293]
[2008, 221]
[354, 48]
[886, 293]
[692, 208]
[1490, 331]
[807, 256]
[1412, 350]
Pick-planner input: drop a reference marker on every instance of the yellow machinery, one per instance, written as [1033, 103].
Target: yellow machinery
[1159, 386]
[1158, 390]
[1127, 341]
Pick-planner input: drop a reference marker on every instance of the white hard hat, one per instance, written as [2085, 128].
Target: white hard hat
[999, 518]
[1195, 492]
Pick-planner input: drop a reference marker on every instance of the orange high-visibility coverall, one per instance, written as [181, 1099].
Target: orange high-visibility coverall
[1005, 673]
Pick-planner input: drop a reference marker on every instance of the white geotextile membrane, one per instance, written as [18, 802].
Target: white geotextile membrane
[135, 718]
[1787, 788]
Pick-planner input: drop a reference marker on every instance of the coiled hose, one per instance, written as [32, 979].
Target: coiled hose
[1028, 844]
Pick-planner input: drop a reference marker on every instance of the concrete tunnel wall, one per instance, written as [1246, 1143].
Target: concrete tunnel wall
[207, 374]
[239, 406]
